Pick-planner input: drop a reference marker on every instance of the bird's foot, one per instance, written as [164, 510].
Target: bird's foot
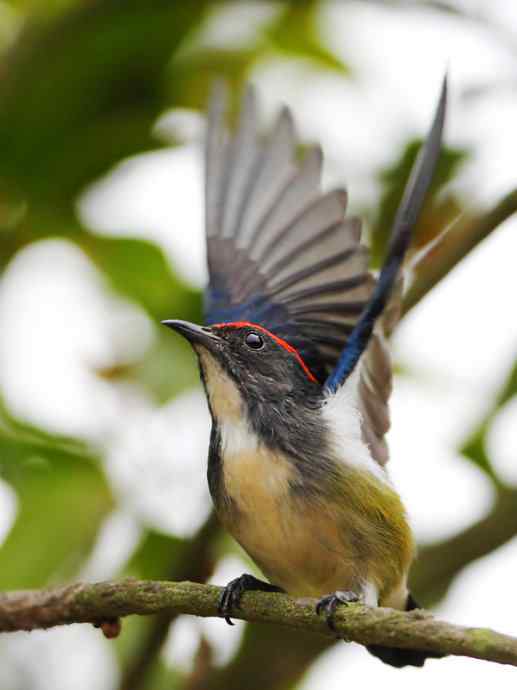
[329, 604]
[230, 598]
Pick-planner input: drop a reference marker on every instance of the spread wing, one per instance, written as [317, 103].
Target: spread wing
[286, 256]
[375, 381]
[280, 252]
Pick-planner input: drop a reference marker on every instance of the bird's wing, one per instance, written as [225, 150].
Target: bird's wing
[375, 380]
[280, 253]
[370, 331]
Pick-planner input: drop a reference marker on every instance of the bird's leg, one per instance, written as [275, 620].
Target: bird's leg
[231, 595]
[329, 603]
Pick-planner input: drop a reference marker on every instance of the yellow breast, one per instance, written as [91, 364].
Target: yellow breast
[296, 542]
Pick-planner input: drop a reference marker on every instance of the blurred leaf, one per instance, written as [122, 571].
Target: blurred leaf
[135, 268]
[62, 498]
[435, 216]
[157, 556]
[10, 23]
[474, 448]
[162, 555]
[17, 430]
[296, 33]
[168, 368]
[208, 65]
[139, 270]
[163, 677]
[82, 92]
[42, 8]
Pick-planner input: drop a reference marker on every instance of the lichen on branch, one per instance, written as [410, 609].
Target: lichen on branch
[105, 601]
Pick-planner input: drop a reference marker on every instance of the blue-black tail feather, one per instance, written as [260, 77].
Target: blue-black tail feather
[405, 220]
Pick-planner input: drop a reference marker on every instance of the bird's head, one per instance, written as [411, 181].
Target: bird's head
[245, 367]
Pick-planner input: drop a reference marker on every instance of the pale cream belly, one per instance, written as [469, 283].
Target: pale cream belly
[295, 542]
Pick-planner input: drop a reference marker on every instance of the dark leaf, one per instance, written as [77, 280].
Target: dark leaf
[82, 92]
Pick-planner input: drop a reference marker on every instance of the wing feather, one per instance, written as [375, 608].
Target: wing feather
[299, 191]
[286, 256]
[245, 153]
[280, 253]
[216, 157]
[275, 171]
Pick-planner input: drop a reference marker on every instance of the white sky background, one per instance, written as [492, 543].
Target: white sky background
[57, 320]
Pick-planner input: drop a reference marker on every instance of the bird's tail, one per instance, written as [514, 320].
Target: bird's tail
[402, 657]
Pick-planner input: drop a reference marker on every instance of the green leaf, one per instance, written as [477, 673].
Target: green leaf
[135, 268]
[156, 556]
[139, 270]
[296, 33]
[208, 64]
[83, 91]
[474, 448]
[62, 499]
[42, 8]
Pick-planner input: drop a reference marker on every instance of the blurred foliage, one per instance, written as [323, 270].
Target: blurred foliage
[83, 92]
[296, 33]
[474, 448]
[82, 82]
[437, 213]
[51, 476]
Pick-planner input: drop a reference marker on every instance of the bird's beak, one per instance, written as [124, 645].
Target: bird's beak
[196, 335]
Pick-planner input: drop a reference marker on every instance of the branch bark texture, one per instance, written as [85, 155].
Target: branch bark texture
[98, 602]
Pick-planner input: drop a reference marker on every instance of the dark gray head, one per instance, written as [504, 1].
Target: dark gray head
[252, 376]
[248, 370]
[260, 364]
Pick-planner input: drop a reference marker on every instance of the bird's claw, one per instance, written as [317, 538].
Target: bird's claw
[329, 604]
[230, 598]
[231, 595]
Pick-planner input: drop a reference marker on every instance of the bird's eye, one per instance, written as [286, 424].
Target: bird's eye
[254, 340]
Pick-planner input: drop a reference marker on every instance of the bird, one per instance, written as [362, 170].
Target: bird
[295, 363]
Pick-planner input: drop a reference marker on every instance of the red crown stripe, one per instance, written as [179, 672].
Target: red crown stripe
[279, 341]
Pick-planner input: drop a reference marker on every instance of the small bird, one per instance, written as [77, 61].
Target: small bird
[294, 361]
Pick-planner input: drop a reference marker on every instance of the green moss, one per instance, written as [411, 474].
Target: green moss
[481, 639]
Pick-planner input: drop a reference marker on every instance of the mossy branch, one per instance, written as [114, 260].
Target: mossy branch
[104, 601]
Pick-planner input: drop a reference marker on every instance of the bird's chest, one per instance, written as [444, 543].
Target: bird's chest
[256, 480]
[262, 508]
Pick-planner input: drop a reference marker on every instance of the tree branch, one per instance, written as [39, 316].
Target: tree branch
[438, 563]
[454, 245]
[94, 603]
